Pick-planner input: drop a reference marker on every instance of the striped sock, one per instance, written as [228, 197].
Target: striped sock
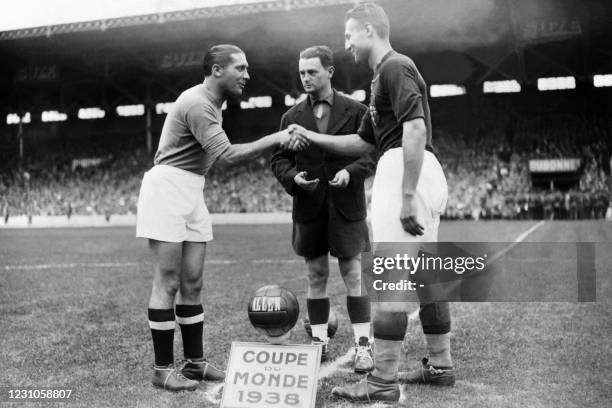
[191, 321]
[161, 322]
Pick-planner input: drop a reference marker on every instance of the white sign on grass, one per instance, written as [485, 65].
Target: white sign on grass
[265, 375]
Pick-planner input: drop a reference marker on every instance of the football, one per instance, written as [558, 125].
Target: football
[273, 310]
[332, 324]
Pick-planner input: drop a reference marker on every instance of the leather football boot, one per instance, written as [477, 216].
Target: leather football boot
[363, 362]
[370, 389]
[171, 379]
[428, 374]
[202, 370]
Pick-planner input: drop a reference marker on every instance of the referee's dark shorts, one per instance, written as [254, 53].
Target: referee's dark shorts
[330, 232]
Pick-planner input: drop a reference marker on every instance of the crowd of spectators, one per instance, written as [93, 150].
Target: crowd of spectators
[487, 171]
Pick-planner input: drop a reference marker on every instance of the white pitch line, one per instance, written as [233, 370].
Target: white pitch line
[518, 240]
[69, 265]
[334, 366]
[274, 261]
[414, 316]
[126, 264]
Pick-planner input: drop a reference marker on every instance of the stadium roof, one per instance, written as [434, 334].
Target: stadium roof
[38, 13]
[453, 42]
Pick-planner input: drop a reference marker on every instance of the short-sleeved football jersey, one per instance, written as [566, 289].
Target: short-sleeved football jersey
[192, 138]
[398, 94]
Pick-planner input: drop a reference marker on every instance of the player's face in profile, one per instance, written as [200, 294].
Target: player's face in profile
[314, 76]
[356, 40]
[236, 75]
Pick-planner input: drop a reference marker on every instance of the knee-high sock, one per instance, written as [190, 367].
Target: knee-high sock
[161, 322]
[435, 317]
[436, 322]
[358, 308]
[191, 320]
[389, 331]
[438, 346]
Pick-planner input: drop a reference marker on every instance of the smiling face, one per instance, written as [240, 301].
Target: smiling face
[315, 78]
[358, 39]
[234, 75]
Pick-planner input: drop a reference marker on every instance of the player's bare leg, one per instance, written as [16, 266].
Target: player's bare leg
[358, 306]
[166, 258]
[190, 314]
[317, 301]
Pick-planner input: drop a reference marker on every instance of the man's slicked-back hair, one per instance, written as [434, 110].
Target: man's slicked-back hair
[322, 52]
[370, 13]
[220, 55]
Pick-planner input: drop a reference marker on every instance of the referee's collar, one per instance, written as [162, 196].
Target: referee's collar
[328, 99]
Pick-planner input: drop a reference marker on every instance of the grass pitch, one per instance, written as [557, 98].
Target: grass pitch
[73, 315]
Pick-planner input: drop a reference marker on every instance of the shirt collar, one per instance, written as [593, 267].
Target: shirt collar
[329, 99]
[214, 99]
[384, 58]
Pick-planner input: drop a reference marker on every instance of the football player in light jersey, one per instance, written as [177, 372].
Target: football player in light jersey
[173, 216]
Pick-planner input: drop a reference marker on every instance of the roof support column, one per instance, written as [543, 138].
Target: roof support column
[148, 119]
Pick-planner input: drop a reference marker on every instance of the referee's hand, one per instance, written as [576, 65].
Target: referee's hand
[408, 216]
[341, 179]
[308, 185]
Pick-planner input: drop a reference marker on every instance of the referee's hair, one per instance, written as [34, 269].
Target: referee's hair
[219, 55]
[371, 13]
[322, 52]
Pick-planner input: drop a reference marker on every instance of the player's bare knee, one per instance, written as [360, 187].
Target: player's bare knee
[165, 289]
[191, 287]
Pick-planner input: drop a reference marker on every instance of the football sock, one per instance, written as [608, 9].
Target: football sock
[161, 322]
[436, 322]
[389, 331]
[386, 358]
[191, 320]
[438, 346]
[318, 314]
[358, 308]
[435, 317]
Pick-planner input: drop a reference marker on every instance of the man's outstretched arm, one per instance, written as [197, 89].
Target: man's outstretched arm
[244, 152]
[348, 145]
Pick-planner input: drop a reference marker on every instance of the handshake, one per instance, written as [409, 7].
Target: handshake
[295, 138]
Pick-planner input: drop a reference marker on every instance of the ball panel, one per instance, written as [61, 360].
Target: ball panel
[273, 310]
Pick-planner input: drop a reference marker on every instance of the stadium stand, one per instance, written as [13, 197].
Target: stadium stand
[485, 141]
[487, 167]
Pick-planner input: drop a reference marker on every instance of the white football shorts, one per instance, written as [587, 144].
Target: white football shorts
[431, 193]
[171, 206]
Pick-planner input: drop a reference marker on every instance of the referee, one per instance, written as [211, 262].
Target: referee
[329, 206]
